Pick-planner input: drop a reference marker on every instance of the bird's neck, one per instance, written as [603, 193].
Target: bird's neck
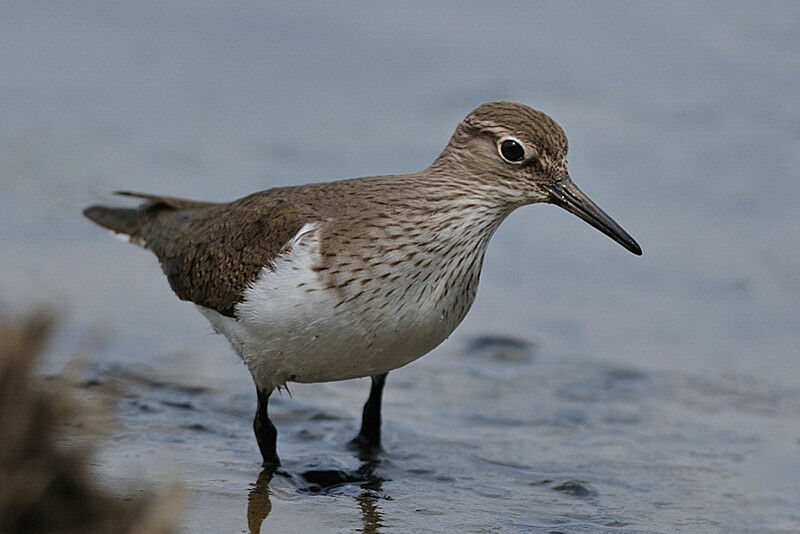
[484, 186]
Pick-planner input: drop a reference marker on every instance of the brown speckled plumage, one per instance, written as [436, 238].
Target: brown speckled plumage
[210, 252]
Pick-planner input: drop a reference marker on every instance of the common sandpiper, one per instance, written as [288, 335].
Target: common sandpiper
[355, 278]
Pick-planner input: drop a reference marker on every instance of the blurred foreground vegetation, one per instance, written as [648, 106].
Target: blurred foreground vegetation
[45, 485]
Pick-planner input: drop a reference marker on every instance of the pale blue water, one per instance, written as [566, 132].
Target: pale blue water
[684, 124]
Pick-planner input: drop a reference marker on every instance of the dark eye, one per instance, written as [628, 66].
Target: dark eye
[512, 151]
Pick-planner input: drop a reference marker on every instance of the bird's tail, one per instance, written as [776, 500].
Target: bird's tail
[129, 222]
[123, 221]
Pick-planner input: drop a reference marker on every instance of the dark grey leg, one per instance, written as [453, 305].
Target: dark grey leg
[370, 434]
[266, 433]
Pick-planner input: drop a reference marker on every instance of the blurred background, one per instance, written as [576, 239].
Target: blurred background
[666, 386]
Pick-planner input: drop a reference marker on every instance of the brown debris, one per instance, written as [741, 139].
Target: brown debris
[44, 485]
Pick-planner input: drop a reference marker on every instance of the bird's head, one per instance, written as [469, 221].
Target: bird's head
[520, 154]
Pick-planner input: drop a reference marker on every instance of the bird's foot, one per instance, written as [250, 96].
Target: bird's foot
[271, 463]
[366, 446]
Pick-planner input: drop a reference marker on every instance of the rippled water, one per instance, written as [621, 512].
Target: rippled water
[478, 443]
[660, 393]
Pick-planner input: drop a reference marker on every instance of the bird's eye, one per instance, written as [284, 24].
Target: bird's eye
[511, 150]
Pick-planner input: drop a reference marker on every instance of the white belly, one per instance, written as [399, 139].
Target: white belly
[291, 327]
[315, 343]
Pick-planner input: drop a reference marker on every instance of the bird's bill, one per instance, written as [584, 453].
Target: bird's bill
[566, 194]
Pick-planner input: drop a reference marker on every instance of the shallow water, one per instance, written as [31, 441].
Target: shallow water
[476, 443]
[659, 394]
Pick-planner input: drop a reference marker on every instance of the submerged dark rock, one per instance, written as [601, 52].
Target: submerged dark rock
[501, 348]
[575, 488]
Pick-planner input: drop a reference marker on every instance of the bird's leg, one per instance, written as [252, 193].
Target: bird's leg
[370, 434]
[266, 433]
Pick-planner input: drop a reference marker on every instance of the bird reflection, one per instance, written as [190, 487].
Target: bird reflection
[368, 498]
[370, 511]
[258, 504]
[321, 481]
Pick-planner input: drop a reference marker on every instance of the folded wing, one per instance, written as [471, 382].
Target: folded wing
[210, 252]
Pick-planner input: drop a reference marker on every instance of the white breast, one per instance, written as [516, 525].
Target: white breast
[292, 326]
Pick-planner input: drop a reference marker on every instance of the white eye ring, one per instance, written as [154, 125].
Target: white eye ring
[512, 150]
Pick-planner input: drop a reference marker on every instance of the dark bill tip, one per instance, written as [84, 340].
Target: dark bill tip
[566, 194]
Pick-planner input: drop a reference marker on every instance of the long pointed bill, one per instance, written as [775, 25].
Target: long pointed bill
[566, 194]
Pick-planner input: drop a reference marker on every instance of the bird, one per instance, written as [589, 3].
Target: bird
[355, 278]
